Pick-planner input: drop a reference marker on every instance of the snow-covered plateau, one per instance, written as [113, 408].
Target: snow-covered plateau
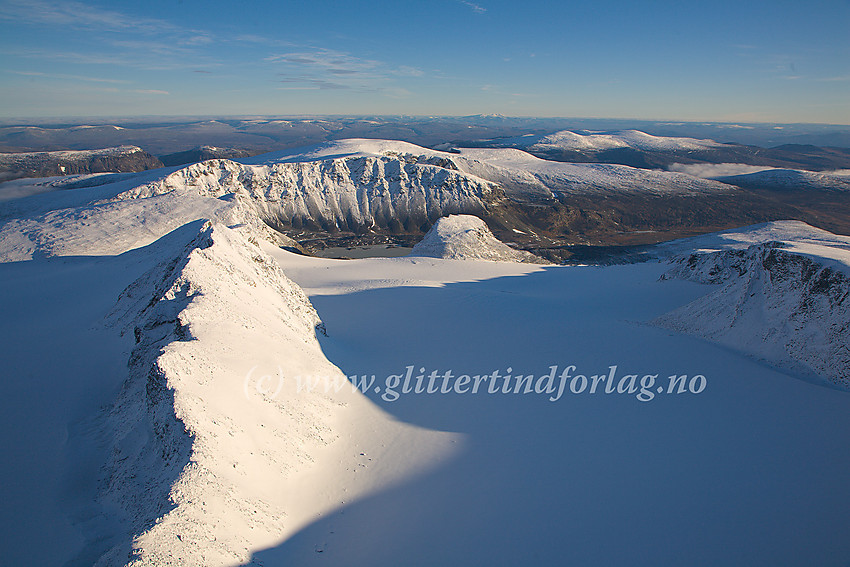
[178, 389]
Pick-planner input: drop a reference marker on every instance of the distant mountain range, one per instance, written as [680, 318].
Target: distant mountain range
[167, 135]
[639, 149]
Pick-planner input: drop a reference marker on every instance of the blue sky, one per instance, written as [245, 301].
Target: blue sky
[773, 61]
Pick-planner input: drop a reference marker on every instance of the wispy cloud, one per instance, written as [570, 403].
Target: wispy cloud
[78, 14]
[313, 82]
[327, 69]
[67, 77]
[123, 54]
[329, 60]
[475, 7]
[406, 71]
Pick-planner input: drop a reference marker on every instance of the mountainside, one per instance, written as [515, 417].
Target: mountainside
[519, 169]
[787, 303]
[45, 164]
[465, 237]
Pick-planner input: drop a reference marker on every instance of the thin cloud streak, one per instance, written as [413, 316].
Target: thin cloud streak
[475, 7]
[77, 14]
[68, 77]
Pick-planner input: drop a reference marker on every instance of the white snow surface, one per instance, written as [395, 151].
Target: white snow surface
[466, 237]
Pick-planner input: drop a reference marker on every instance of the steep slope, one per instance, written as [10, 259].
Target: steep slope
[787, 304]
[465, 237]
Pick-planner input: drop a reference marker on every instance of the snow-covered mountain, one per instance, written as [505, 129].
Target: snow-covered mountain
[465, 237]
[634, 139]
[785, 301]
[522, 173]
[790, 179]
[352, 193]
[44, 164]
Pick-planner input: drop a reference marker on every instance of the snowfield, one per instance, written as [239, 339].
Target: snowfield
[175, 389]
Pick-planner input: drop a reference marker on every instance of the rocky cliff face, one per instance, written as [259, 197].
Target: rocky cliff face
[790, 309]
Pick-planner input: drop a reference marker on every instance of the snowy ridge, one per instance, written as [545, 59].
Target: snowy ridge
[791, 309]
[213, 452]
[465, 237]
[184, 433]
